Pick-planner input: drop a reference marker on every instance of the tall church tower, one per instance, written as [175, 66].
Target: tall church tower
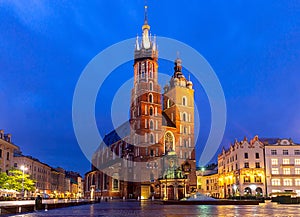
[145, 117]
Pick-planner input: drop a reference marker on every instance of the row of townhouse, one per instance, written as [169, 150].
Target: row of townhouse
[259, 167]
[49, 181]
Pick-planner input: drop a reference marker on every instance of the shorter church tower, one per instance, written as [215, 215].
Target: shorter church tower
[178, 105]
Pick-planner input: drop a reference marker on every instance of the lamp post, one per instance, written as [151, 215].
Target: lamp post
[23, 168]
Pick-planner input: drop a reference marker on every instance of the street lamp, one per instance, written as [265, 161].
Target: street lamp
[23, 168]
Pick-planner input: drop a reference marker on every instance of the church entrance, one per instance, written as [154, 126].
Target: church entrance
[171, 192]
[180, 192]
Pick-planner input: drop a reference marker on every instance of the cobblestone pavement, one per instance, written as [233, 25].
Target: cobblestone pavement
[153, 209]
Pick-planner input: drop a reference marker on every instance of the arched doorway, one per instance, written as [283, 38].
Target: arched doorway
[259, 192]
[180, 192]
[247, 191]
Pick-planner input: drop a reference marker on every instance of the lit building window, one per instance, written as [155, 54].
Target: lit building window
[297, 171]
[246, 165]
[287, 182]
[116, 184]
[257, 178]
[273, 152]
[257, 165]
[286, 161]
[285, 152]
[297, 182]
[286, 171]
[274, 161]
[297, 161]
[246, 178]
[275, 171]
[275, 182]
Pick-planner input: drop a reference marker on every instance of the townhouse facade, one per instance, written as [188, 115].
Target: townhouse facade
[282, 167]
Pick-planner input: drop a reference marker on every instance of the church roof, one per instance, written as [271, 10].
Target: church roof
[166, 121]
[120, 133]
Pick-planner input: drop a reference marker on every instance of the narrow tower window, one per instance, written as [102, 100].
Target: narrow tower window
[151, 125]
[184, 101]
[150, 97]
[150, 86]
[151, 110]
[151, 138]
[184, 116]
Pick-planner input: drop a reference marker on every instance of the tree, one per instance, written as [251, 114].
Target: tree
[14, 179]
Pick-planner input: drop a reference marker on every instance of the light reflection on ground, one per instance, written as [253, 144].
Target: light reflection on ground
[156, 210]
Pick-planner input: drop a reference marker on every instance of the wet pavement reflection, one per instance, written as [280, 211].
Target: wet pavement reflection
[154, 209]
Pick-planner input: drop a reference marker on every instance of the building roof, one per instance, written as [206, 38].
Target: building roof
[116, 135]
[166, 121]
[18, 154]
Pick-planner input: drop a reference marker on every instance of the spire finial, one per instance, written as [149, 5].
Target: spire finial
[146, 26]
[177, 55]
[146, 14]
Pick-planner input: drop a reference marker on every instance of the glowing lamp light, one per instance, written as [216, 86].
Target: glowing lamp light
[253, 187]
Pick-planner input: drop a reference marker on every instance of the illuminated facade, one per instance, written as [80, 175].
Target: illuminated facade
[37, 170]
[282, 167]
[156, 146]
[7, 149]
[241, 169]
[208, 181]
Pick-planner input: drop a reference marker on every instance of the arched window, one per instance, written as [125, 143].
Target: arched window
[184, 101]
[169, 142]
[184, 116]
[151, 110]
[151, 125]
[150, 97]
[151, 138]
[150, 85]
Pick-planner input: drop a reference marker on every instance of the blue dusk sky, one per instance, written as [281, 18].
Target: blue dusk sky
[252, 45]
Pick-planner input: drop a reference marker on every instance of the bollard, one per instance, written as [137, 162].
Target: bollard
[20, 209]
[138, 198]
[46, 207]
[123, 198]
[152, 198]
